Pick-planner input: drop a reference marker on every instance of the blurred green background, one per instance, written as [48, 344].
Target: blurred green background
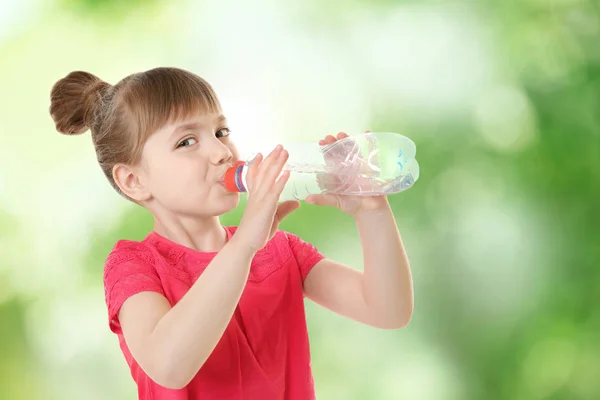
[501, 97]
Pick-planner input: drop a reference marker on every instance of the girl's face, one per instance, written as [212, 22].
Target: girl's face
[183, 164]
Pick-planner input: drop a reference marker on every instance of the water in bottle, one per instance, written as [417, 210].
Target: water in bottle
[369, 164]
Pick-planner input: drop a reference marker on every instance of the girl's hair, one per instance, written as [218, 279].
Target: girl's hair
[122, 117]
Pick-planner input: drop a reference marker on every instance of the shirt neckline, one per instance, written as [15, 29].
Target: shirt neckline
[156, 238]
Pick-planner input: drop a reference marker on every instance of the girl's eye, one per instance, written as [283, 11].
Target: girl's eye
[187, 142]
[221, 133]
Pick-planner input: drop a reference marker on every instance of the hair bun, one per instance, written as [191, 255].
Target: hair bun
[74, 100]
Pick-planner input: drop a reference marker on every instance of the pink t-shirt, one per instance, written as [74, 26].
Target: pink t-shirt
[264, 351]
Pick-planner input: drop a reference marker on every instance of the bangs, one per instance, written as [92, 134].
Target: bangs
[162, 96]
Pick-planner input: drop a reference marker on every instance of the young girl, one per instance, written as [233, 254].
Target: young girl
[204, 311]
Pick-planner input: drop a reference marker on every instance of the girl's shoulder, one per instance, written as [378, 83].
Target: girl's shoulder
[130, 250]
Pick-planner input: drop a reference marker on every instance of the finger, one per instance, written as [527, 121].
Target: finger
[273, 170]
[283, 210]
[324, 200]
[253, 169]
[329, 139]
[286, 208]
[342, 135]
[255, 162]
[272, 158]
[325, 140]
[280, 184]
[274, 154]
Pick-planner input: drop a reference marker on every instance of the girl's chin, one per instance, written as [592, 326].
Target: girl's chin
[228, 201]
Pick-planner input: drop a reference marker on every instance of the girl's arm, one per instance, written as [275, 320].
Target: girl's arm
[382, 296]
[172, 344]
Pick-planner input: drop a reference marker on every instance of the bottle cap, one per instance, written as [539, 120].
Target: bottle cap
[232, 179]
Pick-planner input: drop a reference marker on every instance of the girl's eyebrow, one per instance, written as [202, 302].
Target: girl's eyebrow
[194, 126]
[186, 127]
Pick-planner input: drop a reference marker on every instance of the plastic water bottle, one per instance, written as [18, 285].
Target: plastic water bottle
[369, 164]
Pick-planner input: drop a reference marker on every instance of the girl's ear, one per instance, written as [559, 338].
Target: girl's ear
[130, 181]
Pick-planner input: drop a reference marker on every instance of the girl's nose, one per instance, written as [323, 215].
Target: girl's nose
[219, 153]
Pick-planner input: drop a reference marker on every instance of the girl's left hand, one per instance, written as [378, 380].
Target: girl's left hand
[352, 205]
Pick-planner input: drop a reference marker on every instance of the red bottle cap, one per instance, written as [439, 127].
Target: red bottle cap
[233, 181]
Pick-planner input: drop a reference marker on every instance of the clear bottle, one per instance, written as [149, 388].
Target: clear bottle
[369, 164]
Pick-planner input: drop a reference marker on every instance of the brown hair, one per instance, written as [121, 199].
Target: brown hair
[123, 116]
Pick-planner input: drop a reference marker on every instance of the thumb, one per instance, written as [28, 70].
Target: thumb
[283, 210]
[327, 200]
[286, 208]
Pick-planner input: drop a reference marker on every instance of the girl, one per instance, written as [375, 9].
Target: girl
[204, 311]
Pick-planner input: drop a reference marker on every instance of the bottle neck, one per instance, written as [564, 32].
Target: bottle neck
[234, 179]
[240, 177]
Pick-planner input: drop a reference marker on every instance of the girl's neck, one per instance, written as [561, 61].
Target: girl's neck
[205, 235]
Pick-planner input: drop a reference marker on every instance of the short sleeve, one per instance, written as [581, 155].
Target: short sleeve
[306, 255]
[129, 269]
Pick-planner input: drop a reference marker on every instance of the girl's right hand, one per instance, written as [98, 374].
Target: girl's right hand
[263, 215]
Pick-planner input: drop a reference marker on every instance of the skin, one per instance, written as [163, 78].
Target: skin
[382, 296]
[178, 181]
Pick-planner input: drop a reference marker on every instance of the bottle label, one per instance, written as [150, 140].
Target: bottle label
[238, 178]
